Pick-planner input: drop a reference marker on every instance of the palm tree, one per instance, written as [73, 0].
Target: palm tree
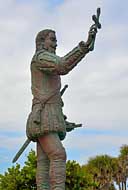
[123, 162]
[102, 170]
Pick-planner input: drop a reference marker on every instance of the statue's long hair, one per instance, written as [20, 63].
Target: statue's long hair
[40, 38]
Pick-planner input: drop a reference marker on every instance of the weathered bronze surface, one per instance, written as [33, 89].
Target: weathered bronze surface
[46, 124]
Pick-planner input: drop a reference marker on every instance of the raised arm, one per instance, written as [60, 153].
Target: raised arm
[53, 64]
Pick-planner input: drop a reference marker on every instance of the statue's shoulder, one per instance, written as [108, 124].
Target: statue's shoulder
[37, 55]
[46, 56]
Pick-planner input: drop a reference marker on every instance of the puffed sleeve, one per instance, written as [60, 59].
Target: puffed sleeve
[45, 62]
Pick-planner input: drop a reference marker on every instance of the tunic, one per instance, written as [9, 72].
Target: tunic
[46, 115]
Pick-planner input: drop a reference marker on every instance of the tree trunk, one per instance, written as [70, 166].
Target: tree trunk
[122, 185]
[119, 186]
[125, 185]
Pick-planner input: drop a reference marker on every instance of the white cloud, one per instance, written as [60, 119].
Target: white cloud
[97, 93]
[84, 142]
[99, 90]
[10, 143]
[87, 146]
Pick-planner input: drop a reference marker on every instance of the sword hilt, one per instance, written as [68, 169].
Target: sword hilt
[95, 18]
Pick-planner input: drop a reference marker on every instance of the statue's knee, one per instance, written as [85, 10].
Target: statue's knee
[63, 155]
[43, 160]
[58, 154]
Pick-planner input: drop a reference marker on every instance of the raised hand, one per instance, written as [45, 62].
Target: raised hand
[93, 30]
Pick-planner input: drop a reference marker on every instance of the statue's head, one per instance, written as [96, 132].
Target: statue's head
[46, 39]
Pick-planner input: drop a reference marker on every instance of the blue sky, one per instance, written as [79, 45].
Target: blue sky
[97, 95]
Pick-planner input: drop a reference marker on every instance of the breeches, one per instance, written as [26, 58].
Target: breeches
[51, 163]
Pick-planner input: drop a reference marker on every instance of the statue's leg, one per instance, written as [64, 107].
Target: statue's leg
[42, 173]
[53, 147]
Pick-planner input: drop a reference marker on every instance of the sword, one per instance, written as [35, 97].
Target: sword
[21, 150]
[27, 142]
[95, 26]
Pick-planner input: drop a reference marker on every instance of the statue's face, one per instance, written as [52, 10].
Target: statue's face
[50, 42]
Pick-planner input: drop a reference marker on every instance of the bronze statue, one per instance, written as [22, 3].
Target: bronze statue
[46, 123]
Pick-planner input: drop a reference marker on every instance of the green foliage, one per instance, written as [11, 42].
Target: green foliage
[102, 169]
[124, 150]
[99, 172]
[112, 187]
[11, 179]
[102, 161]
[28, 172]
[20, 179]
[76, 178]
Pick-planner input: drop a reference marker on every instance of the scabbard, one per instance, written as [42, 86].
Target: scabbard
[21, 150]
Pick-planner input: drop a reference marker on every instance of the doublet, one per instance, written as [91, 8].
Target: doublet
[46, 115]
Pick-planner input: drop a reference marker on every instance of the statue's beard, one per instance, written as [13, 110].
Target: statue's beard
[52, 50]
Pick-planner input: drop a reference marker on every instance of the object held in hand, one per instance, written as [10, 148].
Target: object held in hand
[93, 29]
[95, 18]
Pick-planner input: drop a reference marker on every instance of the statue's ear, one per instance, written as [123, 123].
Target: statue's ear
[42, 44]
